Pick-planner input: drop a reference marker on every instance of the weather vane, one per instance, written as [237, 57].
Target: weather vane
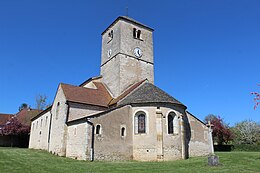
[126, 11]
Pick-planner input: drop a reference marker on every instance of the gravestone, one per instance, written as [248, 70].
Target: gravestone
[213, 160]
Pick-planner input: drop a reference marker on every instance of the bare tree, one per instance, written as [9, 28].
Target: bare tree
[41, 102]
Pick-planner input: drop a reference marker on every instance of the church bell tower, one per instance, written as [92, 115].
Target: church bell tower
[127, 54]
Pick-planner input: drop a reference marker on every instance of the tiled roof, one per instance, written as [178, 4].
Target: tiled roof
[41, 113]
[148, 93]
[4, 118]
[97, 97]
[124, 94]
[25, 115]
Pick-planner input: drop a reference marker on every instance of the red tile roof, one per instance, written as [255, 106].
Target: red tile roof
[97, 97]
[25, 115]
[4, 118]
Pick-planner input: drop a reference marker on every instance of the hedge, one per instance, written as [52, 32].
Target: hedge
[237, 147]
[246, 147]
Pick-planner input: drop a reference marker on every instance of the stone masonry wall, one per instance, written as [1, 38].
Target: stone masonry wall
[109, 144]
[199, 143]
[40, 132]
[79, 110]
[58, 135]
[156, 143]
[123, 68]
[78, 142]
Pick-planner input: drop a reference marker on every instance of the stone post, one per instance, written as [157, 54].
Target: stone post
[213, 160]
[211, 145]
[159, 131]
[183, 139]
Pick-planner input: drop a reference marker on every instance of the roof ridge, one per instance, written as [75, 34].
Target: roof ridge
[90, 79]
[149, 93]
[127, 92]
[98, 97]
[76, 86]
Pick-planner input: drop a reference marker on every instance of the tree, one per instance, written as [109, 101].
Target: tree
[14, 127]
[247, 132]
[23, 106]
[209, 117]
[41, 102]
[221, 131]
[257, 98]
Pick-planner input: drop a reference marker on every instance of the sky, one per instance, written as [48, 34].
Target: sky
[206, 52]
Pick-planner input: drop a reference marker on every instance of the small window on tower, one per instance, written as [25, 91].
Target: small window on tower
[136, 33]
[110, 35]
[139, 34]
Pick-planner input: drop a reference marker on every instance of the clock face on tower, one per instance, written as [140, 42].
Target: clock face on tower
[138, 52]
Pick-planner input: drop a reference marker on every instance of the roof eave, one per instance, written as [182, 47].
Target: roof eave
[83, 103]
[41, 113]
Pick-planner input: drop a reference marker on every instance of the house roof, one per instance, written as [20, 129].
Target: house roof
[148, 93]
[97, 97]
[41, 113]
[25, 115]
[4, 118]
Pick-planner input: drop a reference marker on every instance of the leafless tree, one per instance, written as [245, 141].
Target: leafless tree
[41, 102]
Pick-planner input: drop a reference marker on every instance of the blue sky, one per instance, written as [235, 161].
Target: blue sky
[207, 53]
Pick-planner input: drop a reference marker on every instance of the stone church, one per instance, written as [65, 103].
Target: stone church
[121, 114]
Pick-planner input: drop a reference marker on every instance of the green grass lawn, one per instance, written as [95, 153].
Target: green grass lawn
[25, 160]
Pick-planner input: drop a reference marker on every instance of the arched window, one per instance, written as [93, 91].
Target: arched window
[46, 121]
[110, 35]
[134, 33]
[139, 34]
[140, 122]
[98, 129]
[170, 124]
[57, 110]
[123, 131]
[173, 123]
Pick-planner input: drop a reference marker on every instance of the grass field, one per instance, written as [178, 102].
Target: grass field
[16, 160]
